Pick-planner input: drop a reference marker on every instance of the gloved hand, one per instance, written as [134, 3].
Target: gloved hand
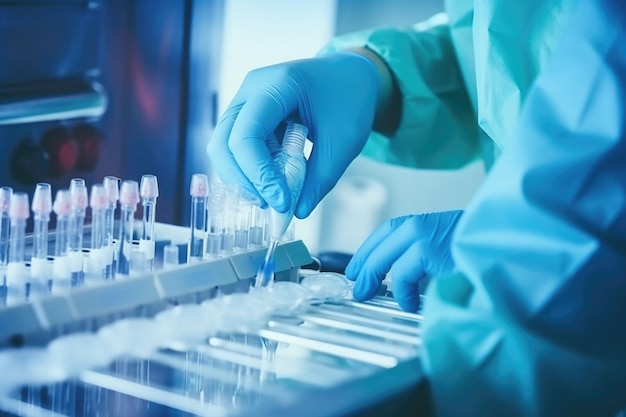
[334, 96]
[412, 247]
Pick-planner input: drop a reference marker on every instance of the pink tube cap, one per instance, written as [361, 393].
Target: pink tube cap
[199, 185]
[18, 209]
[62, 203]
[149, 186]
[129, 194]
[98, 199]
[112, 187]
[42, 199]
[78, 192]
[5, 198]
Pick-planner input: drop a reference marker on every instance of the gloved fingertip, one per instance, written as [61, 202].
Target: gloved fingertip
[303, 209]
[363, 290]
[350, 270]
[277, 196]
[410, 304]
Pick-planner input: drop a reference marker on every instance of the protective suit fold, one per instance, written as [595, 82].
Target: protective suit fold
[542, 249]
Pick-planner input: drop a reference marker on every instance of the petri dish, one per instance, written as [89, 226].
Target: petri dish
[284, 297]
[79, 352]
[187, 323]
[239, 312]
[132, 336]
[327, 285]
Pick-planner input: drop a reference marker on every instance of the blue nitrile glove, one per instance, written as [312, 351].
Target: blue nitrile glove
[412, 247]
[334, 96]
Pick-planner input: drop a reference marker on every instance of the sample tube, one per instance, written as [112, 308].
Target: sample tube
[149, 193]
[16, 269]
[242, 225]
[170, 256]
[199, 192]
[258, 220]
[231, 201]
[5, 224]
[112, 189]
[137, 262]
[98, 257]
[292, 163]
[62, 273]
[216, 214]
[42, 207]
[129, 198]
[78, 193]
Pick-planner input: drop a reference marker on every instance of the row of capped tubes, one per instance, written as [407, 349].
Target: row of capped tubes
[225, 220]
[69, 266]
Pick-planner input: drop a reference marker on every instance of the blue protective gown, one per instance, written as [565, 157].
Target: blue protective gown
[463, 76]
[531, 325]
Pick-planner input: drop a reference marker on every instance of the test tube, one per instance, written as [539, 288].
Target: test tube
[62, 273]
[16, 269]
[149, 193]
[242, 224]
[170, 256]
[112, 188]
[42, 207]
[214, 239]
[129, 198]
[199, 192]
[137, 262]
[5, 224]
[78, 193]
[231, 200]
[98, 257]
[258, 219]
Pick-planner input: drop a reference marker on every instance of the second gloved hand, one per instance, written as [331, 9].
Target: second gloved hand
[334, 96]
[411, 247]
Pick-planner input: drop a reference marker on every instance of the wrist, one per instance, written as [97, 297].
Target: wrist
[389, 105]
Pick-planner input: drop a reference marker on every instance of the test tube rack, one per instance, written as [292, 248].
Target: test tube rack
[187, 283]
[392, 390]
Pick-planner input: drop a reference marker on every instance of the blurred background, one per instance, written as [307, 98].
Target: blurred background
[133, 87]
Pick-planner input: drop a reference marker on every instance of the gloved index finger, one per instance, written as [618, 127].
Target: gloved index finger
[257, 120]
[372, 242]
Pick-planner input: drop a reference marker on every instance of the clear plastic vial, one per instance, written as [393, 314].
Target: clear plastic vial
[199, 192]
[5, 224]
[258, 221]
[42, 207]
[216, 215]
[242, 225]
[16, 269]
[231, 201]
[149, 190]
[129, 198]
[61, 265]
[98, 258]
[292, 164]
[112, 188]
[78, 193]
